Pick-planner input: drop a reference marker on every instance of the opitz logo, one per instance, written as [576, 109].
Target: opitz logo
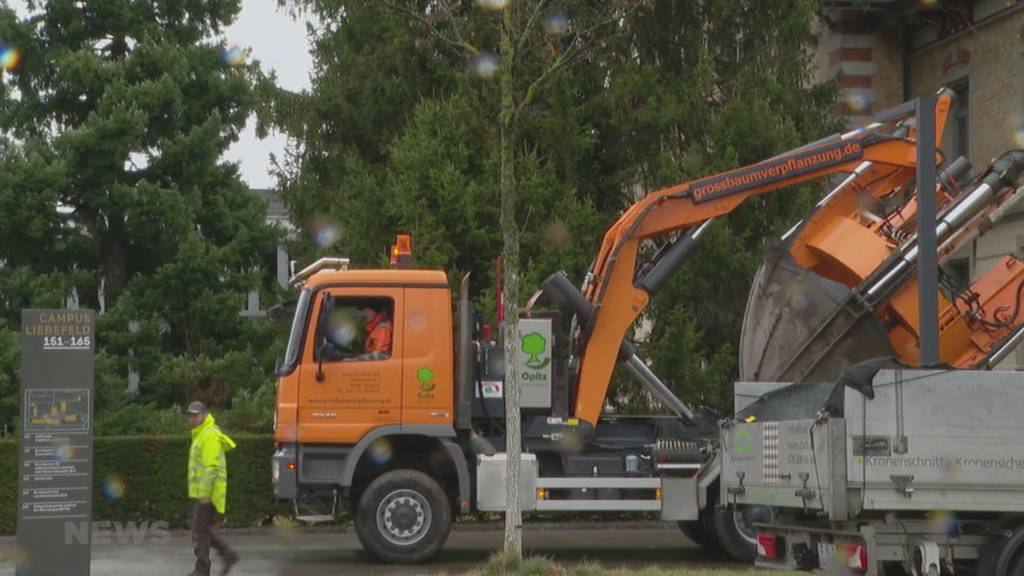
[107, 532]
[534, 344]
[742, 441]
[426, 378]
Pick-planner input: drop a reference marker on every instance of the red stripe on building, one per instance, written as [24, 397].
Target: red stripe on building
[849, 55]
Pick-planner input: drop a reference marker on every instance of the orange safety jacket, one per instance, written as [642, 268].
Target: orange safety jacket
[379, 340]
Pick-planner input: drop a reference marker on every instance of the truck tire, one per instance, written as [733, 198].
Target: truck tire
[1017, 566]
[1011, 555]
[702, 530]
[694, 530]
[989, 556]
[734, 530]
[403, 517]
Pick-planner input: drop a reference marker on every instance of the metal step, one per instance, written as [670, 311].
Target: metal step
[315, 518]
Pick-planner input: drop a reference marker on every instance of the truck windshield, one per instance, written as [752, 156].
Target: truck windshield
[291, 354]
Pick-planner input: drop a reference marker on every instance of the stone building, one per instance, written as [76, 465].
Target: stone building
[885, 52]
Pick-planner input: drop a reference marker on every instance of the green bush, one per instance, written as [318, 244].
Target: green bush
[141, 420]
[252, 412]
[140, 478]
[8, 495]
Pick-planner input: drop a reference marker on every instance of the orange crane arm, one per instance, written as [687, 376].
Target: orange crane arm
[611, 290]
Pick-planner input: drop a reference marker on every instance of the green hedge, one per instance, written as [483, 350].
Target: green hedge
[140, 478]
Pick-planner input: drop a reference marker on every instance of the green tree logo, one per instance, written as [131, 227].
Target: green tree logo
[743, 441]
[426, 378]
[534, 344]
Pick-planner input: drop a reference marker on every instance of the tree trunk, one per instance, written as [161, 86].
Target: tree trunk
[115, 260]
[510, 256]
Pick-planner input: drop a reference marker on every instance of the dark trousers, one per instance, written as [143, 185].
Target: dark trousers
[201, 523]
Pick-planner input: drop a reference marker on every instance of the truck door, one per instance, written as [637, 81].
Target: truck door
[427, 348]
[351, 381]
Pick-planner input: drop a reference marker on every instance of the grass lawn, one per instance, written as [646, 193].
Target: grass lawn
[499, 566]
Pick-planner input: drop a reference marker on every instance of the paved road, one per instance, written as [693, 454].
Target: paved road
[283, 553]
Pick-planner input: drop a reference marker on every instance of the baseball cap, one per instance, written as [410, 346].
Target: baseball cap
[196, 407]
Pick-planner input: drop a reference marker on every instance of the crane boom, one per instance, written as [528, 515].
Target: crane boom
[877, 163]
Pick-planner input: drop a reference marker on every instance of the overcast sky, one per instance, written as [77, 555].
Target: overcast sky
[280, 44]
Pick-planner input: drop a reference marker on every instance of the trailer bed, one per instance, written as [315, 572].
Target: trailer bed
[910, 440]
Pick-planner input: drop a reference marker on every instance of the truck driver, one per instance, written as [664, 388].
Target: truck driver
[378, 329]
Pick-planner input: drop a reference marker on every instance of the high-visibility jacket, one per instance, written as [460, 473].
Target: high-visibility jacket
[378, 342]
[207, 465]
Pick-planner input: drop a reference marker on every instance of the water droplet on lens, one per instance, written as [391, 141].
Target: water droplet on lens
[234, 55]
[493, 5]
[556, 24]
[113, 488]
[557, 235]
[10, 57]
[324, 231]
[484, 65]
[858, 100]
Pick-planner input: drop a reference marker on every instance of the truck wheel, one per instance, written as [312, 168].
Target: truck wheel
[694, 530]
[1010, 561]
[403, 517]
[989, 556]
[1017, 567]
[735, 531]
[702, 530]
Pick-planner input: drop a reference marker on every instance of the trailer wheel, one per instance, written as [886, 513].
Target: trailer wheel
[989, 556]
[1010, 560]
[1017, 567]
[702, 531]
[734, 529]
[694, 530]
[403, 517]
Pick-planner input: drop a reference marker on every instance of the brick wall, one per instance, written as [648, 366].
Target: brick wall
[888, 81]
[989, 59]
[848, 50]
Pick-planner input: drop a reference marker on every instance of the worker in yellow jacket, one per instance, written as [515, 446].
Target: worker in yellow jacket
[207, 487]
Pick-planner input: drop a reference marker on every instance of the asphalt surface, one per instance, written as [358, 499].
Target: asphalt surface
[292, 553]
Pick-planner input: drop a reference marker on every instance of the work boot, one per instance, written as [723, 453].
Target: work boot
[230, 559]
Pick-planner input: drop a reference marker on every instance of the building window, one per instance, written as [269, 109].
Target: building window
[961, 122]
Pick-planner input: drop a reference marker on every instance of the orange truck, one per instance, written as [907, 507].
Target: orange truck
[410, 437]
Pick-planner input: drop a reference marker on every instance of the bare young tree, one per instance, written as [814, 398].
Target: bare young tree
[558, 34]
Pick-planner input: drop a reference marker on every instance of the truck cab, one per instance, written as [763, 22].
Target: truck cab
[332, 391]
[347, 417]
